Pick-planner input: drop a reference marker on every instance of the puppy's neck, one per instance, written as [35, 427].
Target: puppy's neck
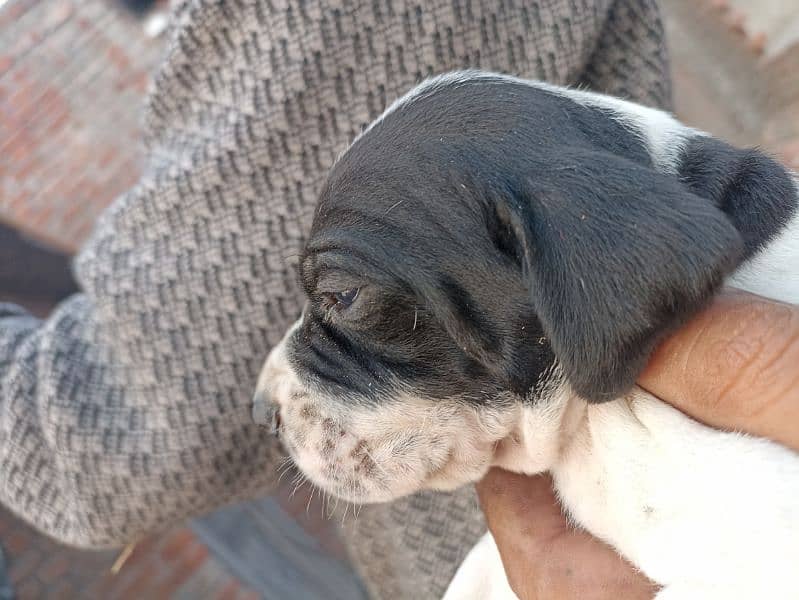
[544, 431]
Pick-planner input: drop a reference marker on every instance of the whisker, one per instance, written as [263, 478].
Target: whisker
[286, 467]
[331, 509]
[310, 497]
[299, 481]
[393, 206]
[325, 503]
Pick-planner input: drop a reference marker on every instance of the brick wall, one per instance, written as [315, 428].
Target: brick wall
[173, 565]
[73, 74]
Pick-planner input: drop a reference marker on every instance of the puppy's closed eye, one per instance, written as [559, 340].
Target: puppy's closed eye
[341, 300]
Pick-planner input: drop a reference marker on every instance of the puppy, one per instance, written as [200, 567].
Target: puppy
[490, 265]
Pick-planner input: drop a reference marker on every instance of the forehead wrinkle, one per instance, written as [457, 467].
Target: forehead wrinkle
[386, 254]
[351, 262]
[345, 225]
[426, 184]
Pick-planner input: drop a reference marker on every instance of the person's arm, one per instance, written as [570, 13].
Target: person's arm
[94, 456]
[734, 367]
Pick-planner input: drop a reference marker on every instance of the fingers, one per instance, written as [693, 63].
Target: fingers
[543, 556]
[735, 366]
[509, 499]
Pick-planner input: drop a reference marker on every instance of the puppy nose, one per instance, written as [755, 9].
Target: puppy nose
[265, 412]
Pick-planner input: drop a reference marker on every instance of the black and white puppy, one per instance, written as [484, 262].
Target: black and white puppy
[490, 264]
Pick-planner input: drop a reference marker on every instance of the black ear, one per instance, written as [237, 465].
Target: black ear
[754, 191]
[615, 255]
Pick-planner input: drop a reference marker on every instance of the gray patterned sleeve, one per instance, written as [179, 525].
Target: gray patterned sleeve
[96, 451]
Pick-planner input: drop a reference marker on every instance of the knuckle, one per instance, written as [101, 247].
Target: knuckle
[745, 366]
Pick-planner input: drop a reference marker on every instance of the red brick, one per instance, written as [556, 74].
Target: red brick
[25, 565]
[176, 543]
[72, 210]
[19, 149]
[55, 111]
[229, 591]
[189, 562]
[14, 11]
[6, 62]
[84, 24]
[18, 201]
[13, 139]
[108, 156]
[106, 581]
[118, 57]
[22, 102]
[17, 541]
[25, 171]
[155, 578]
[140, 82]
[139, 588]
[82, 233]
[54, 568]
[63, 590]
[44, 214]
[41, 110]
[48, 99]
[30, 589]
[58, 13]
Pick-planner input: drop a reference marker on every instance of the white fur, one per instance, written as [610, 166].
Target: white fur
[708, 515]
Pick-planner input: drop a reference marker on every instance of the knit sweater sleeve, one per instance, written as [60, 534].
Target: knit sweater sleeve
[97, 450]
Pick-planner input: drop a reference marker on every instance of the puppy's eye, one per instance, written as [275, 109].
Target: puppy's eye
[343, 299]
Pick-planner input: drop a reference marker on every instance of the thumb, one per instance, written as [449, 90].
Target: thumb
[543, 555]
[735, 366]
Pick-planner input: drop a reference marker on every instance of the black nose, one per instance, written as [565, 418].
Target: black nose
[265, 412]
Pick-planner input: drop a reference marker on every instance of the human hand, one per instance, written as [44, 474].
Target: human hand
[545, 558]
[735, 366]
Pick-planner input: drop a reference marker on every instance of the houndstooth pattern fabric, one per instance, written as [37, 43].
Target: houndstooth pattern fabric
[129, 407]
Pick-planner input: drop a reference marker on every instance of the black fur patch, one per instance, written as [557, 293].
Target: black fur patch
[493, 227]
[755, 192]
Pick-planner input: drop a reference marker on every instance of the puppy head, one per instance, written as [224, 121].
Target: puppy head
[484, 244]
[415, 348]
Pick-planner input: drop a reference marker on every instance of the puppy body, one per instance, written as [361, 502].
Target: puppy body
[674, 497]
[502, 300]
